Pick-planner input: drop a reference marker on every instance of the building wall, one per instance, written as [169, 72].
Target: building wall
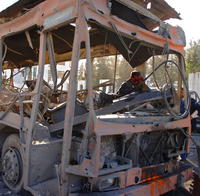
[194, 82]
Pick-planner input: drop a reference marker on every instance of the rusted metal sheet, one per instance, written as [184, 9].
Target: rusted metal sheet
[23, 6]
[35, 107]
[44, 16]
[1, 60]
[156, 187]
[160, 8]
[17, 9]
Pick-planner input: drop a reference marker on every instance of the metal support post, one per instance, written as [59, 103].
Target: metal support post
[81, 36]
[69, 113]
[1, 61]
[52, 60]
[34, 112]
[115, 71]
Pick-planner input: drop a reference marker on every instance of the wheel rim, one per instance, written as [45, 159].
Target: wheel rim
[12, 167]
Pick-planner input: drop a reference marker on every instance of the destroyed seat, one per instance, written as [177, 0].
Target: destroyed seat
[58, 113]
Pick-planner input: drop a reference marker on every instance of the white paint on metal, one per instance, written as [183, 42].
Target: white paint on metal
[58, 18]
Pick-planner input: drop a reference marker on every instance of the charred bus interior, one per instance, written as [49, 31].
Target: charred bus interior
[99, 142]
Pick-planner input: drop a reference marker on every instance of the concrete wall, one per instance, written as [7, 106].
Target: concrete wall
[194, 82]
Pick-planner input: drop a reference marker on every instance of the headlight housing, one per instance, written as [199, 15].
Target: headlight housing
[107, 184]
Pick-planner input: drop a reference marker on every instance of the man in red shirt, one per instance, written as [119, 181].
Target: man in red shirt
[134, 84]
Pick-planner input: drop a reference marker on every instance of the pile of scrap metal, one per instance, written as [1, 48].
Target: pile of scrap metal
[63, 142]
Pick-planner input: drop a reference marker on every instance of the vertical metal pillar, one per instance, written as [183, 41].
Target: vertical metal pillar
[52, 59]
[91, 116]
[183, 69]
[81, 35]
[180, 83]
[179, 76]
[115, 71]
[182, 65]
[34, 112]
[69, 113]
[1, 61]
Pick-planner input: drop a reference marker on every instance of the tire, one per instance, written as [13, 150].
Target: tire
[12, 163]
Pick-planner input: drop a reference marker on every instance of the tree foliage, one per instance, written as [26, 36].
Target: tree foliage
[164, 74]
[193, 57]
[81, 72]
[123, 71]
[104, 68]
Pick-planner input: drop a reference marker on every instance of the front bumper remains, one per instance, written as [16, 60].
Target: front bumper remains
[154, 187]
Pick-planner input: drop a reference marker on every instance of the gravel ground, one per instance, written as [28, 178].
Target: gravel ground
[4, 191]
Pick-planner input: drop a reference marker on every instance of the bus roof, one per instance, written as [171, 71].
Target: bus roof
[133, 20]
[22, 6]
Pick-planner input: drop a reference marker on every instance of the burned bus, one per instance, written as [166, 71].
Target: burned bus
[57, 139]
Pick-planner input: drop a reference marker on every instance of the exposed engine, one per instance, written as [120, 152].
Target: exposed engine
[139, 149]
[143, 149]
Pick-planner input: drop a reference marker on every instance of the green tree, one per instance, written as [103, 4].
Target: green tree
[161, 75]
[123, 71]
[193, 57]
[81, 72]
[103, 69]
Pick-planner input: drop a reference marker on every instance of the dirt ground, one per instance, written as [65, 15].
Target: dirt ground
[4, 191]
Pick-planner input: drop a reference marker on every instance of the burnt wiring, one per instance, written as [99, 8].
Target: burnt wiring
[64, 78]
[145, 155]
[5, 52]
[154, 76]
[190, 137]
[129, 52]
[167, 75]
[164, 52]
[136, 50]
[156, 148]
[19, 72]
[165, 88]
[164, 91]
[194, 142]
[155, 68]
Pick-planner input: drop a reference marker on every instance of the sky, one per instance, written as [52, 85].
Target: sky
[190, 14]
[5, 3]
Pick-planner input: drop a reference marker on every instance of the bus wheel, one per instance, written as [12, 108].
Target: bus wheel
[12, 163]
